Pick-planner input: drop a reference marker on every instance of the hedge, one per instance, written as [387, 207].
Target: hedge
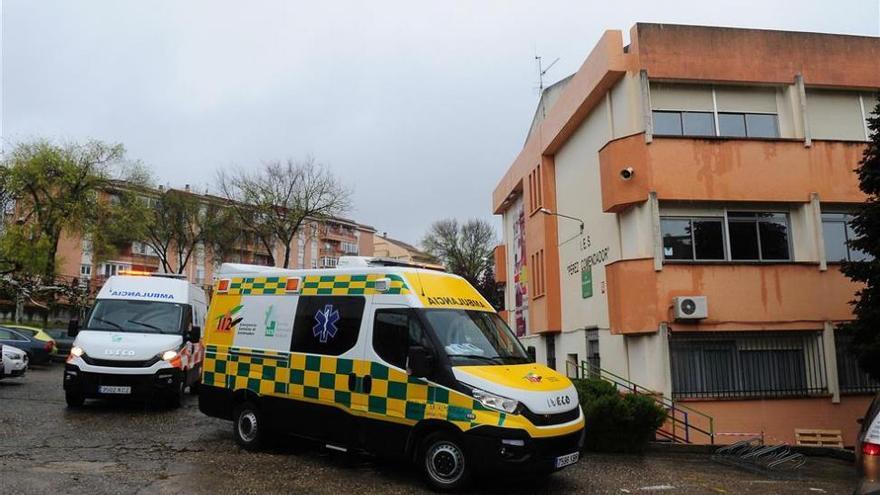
[617, 422]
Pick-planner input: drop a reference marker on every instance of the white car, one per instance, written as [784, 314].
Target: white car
[15, 362]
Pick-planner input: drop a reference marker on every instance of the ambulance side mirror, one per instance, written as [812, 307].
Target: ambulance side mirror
[72, 328]
[195, 334]
[533, 354]
[419, 362]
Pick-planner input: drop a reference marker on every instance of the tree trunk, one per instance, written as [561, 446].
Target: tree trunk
[19, 307]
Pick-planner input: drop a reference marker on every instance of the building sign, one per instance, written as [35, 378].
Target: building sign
[587, 282]
[520, 274]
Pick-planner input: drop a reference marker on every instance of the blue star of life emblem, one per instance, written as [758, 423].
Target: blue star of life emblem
[325, 323]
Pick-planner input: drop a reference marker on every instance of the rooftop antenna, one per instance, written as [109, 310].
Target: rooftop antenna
[543, 71]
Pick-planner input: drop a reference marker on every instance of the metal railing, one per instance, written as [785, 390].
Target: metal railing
[747, 364]
[683, 424]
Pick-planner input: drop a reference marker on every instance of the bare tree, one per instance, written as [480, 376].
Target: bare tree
[277, 199]
[465, 249]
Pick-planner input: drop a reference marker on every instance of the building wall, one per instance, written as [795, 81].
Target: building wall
[601, 123]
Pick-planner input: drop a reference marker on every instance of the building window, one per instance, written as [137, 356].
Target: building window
[850, 377]
[837, 232]
[764, 125]
[328, 262]
[747, 364]
[538, 280]
[349, 248]
[758, 236]
[692, 238]
[730, 124]
[111, 269]
[536, 190]
[751, 236]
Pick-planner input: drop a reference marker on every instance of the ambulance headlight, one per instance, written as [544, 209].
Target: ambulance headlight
[169, 355]
[496, 402]
[76, 351]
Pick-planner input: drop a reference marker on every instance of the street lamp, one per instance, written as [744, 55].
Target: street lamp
[555, 214]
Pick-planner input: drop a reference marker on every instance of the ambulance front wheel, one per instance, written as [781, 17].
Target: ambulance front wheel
[249, 426]
[74, 399]
[445, 462]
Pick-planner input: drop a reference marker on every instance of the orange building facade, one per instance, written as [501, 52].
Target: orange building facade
[319, 244]
[712, 169]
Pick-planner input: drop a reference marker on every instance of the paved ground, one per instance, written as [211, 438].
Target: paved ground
[129, 448]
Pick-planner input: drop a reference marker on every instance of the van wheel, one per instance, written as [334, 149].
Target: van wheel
[445, 462]
[194, 387]
[249, 427]
[74, 399]
[175, 399]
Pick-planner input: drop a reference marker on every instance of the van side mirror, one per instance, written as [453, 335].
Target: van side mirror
[72, 328]
[195, 334]
[419, 362]
[533, 354]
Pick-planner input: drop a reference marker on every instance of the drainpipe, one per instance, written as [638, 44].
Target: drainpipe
[831, 361]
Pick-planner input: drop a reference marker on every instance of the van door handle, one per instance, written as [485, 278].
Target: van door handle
[352, 382]
[368, 384]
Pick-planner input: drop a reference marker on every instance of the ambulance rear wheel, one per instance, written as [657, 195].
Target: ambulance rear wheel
[249, 426]
[445, 462]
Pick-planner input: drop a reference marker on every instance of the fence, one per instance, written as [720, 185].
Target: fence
[747, 364]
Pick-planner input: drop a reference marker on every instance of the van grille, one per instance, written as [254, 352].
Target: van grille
[112, 363]
[551, 419]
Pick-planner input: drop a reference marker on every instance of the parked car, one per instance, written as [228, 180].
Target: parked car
[14, 362]
[38, 351]
[36, 332]
[63, 343]
[868, 450]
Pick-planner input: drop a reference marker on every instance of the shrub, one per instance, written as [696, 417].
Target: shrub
[615, 422]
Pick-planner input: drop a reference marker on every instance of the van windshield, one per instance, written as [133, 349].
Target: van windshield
[124, 315]
[475, 337]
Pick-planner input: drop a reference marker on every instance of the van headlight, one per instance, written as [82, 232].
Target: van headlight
[169, 355]
[496, 402]
[76, 351]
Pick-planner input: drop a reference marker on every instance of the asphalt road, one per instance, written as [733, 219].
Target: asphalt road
[113, 447]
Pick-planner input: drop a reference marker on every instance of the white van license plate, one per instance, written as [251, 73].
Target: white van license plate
[567, 460]
[108, 389]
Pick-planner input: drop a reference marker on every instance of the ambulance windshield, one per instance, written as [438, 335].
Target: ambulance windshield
[124, 315]
[475, 337]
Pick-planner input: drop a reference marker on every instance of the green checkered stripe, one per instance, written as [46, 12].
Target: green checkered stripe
[257, 286]
[340, 285]
[325, 379]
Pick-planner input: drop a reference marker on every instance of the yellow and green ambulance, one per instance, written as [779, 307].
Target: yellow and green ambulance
[383, 357]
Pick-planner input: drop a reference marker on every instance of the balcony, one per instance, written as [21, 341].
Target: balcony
[757, 296]
[728, 169]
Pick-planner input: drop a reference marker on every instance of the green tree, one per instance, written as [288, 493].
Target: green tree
[465, 249]
[56, 189]
[866, 225]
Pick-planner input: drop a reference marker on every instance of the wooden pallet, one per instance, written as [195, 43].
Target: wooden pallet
[819, 438]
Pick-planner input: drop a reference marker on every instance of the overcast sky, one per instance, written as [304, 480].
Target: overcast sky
[420, 106]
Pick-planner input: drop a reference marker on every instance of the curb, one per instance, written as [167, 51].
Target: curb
[678, 448]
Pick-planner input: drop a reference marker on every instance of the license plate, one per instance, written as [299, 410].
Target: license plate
[567, 460]
[108, 389]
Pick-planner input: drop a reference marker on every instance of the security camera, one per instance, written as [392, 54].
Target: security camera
[627, 173]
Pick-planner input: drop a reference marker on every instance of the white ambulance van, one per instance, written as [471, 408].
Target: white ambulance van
[394, 360]
[141, 339]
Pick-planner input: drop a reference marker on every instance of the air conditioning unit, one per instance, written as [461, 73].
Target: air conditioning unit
[690, 307]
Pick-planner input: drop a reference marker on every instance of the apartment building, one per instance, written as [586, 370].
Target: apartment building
[677, 216]
[386, 247]
[319, 244]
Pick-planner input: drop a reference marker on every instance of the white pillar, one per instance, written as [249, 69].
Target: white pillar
[831, 361]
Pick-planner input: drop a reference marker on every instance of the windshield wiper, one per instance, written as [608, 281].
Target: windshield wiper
[154, 327]
[117, 325]
[476, 356]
